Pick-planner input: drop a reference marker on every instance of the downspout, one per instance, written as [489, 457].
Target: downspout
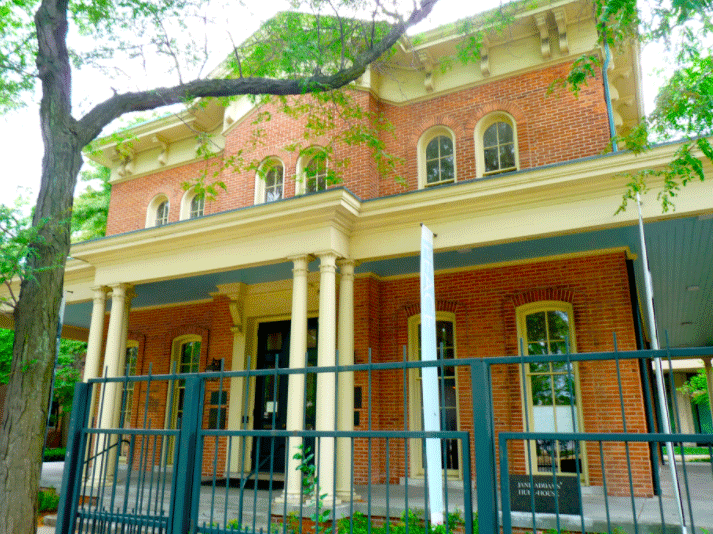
[607, 95]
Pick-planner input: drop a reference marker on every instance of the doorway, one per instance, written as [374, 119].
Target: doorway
[271, 393]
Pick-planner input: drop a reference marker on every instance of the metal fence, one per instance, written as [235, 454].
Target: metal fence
[180, 463]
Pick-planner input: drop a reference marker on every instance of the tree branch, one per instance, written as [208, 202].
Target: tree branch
[91, 125]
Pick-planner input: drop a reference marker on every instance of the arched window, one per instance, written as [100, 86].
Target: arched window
[552, 388]
[162, 213]
[197, 206]
[157, 211]
[315, 174]
[436, 157]
[496, 144]
[185, 358]
[312, 171]
[192, 205]
[447, 394]
[269, 182]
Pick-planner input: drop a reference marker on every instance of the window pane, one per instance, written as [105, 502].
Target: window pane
[446, 146]
[504, 132]
[491, 159]
[558, 324]
[490, 138]
[447, 169]
[542, 391]
[535, 327]
[432, 149]
[564, 390]
[432, 172]
[507, 156]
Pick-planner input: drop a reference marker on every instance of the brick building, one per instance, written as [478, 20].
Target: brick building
[515, 181]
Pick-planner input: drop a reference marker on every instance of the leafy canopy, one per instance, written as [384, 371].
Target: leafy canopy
[682, 30]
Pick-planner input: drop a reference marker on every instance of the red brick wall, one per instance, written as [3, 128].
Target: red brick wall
[484, 303]
[550, 128]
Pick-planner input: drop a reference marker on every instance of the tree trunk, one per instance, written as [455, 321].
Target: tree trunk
[25, 414]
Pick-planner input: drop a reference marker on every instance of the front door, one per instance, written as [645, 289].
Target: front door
[271, 392]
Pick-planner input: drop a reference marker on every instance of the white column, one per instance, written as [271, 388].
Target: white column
[296, 383]
[326, 356]
[345, 415]
[109, 409]
[96, 334]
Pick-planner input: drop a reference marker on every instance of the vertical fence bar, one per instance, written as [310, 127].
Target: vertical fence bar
[74, 458]
[185, 467]
[485, 466]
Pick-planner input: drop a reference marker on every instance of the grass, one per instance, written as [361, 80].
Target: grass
[689, 450]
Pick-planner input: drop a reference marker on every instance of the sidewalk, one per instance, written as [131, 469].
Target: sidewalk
[595, 507]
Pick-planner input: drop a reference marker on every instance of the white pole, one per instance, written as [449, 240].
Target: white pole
[429, 378]
[666, 423]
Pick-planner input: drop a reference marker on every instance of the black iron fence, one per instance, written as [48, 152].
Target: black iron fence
[569, 442]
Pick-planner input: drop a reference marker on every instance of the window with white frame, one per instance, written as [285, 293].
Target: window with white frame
[197, 207]
[496, 144]
[315, 172]
[447, 391]
[192, 205]
[157, 211]
[436, 157]
[552, 388]
[269, 182]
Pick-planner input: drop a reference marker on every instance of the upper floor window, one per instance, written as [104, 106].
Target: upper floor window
[436, 157]
[157, 212]
[197, 206]
[192, 205]
[439, 160]
[496, 144]
[270, 182]
[312, 171]
[316, 173]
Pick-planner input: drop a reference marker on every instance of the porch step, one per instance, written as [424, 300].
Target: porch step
[50, 520]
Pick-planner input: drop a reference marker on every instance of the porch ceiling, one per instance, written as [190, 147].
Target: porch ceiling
[679, 254]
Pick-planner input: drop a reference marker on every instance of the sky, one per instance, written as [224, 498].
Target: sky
[20, 138]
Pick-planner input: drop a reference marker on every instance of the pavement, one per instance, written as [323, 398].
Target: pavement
[600, 514]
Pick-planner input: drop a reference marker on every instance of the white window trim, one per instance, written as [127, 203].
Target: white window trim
[416, 462]
[484, 124]
[302, 163]
[260, 180]
[153, 206]
[186, 202]
[426, 138]
[521, 313]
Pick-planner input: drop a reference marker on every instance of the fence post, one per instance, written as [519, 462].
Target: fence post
[186, 462]
[485, 467]
[74, 459]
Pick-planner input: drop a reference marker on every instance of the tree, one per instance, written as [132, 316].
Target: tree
[292, 55]
[91, 206]
[684, 104]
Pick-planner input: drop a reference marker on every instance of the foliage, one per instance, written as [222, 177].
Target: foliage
[55, 455]
[68, 371]
[697, 388]
[310, 487]
[17, 236]
[6, 337]
[91, 206]
[683, 104]
[412, 522]
[47, 500]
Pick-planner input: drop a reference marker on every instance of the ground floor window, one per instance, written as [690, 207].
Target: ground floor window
[186, 354]
[551, 388]
[447, 392]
